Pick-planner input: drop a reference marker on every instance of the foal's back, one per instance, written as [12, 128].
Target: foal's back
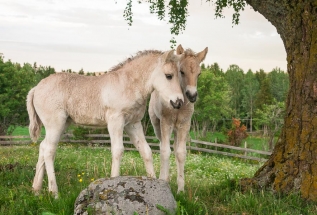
[70, 95]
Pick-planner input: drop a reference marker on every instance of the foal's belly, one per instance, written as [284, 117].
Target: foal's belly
[101, 118]
[88, 122]
[92, 117]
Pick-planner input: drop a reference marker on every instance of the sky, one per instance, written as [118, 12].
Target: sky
[92, 35]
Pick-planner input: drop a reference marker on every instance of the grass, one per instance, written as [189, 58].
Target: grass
[253, 142]
[24, 131]
[20, 131]
[210, 182]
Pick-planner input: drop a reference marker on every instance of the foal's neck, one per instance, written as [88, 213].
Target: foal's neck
[138, 74]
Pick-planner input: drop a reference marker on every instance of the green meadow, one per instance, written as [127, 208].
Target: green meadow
[211, 182]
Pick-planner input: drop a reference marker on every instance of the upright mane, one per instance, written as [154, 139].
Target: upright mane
[190, 53]
[138, 55]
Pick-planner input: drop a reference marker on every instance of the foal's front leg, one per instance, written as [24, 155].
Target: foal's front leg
[165, 149]
[136, 134]
[115, 128]
[180, 154]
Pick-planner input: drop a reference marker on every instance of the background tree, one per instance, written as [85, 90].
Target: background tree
[212, 104]
[234, 77]
[264, 95]
[271, 117]
[15, 82]
[42, 72]
[279, 84]
[260, 76]
[292, 166]
[249, 92]
[215, 68]
[81, 72]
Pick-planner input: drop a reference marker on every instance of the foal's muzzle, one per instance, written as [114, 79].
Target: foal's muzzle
[191, 97]
[177, 104]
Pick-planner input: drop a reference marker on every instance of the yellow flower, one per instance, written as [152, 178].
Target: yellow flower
[78, 175]
[92, 179]
[83, 173]
[80, 180]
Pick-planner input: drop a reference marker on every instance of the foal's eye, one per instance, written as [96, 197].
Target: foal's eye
[169, 76]
[182, 72]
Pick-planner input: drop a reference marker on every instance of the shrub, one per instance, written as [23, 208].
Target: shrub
[237, 133]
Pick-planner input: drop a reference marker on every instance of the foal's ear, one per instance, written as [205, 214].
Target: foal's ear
[179, 49]
[167, 56]
[202, 55]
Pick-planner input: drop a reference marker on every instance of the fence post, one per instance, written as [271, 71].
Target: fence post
[245, 146]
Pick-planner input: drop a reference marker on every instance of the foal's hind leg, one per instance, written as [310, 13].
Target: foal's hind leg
[46, 157]
[40, 168]
[156, 122]
[135, 132]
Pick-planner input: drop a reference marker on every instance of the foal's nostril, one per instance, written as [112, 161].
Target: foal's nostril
[177, 104]
[191, 97]
[181, 102]
[187, 94]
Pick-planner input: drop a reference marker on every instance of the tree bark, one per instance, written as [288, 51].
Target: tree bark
[251, 116]
[204, 128]
[292, 166]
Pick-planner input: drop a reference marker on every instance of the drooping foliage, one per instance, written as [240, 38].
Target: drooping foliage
[177, 12]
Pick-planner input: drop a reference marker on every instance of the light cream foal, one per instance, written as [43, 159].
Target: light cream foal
[116, 100]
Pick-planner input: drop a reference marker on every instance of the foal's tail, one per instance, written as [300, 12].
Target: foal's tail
[35, 122]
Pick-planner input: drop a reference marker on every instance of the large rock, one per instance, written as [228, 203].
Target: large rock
[125, 195]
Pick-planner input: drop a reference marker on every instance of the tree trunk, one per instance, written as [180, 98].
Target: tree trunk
[293, 165]
[195, 127]
[214, 126]
[271, 140]
[265, 132]
[204, 128]
[251, 116]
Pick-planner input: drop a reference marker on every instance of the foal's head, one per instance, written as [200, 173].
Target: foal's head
[166, 80]
[190, 70]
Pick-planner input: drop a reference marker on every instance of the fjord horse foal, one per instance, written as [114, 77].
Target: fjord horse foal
[165, 120]
[116, 100]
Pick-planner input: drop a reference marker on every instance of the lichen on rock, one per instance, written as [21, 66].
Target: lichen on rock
[125, 195]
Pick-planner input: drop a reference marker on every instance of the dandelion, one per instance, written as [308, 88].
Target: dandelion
[80, 180]
[83, 173]
[92, 179]
[78, 175]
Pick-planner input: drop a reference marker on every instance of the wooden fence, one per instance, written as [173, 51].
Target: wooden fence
[192, 145]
